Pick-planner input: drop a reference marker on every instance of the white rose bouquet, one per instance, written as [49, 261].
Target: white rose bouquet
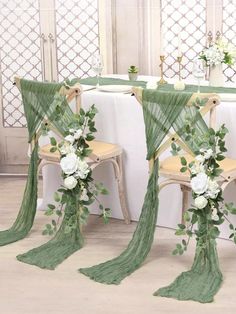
[208, 203]
[78, 185]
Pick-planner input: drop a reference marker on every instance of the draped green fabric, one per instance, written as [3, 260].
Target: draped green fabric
[162, 110]
[204, 279]
[43, 101]
[56, 250]
[25, 218]
[113, 271]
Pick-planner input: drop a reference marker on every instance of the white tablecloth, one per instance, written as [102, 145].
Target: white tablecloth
[120, 121]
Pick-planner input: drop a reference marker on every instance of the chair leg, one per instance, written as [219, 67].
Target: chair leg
[121, 189]
[185, 191]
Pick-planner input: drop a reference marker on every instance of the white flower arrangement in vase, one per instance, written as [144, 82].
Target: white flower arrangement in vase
[215, 55]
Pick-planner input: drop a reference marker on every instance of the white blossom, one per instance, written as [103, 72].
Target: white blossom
[70, 139]
[84, 196]
[69, 163]
[208, 153]
[82, 169]
[70, 182]
[197, 167]
[199, 183]
[200, 202]
[78, 134]
[212, 189]
[200, 158]
[67, 148]
[214, 214]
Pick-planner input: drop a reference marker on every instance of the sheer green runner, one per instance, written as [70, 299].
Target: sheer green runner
[111, 81]
[158, 121]
[25, 218]
[204, 279]
[55, 251]
[113, 271]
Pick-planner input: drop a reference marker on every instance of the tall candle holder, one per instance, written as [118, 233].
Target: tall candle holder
[179, 60]
[179, 85]
[162, 81]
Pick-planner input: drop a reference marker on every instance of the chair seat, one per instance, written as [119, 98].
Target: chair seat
[170, 167]
[101, 151]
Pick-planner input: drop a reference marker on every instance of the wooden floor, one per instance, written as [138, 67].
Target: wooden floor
[27, 289]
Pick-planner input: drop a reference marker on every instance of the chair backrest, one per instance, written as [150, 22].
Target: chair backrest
[213, 100]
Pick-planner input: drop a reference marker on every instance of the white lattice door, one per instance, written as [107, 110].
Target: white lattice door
[19, 54]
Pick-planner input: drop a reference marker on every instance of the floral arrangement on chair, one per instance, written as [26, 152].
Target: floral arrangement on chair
[207, 193]
[77, 175]
[219, 52]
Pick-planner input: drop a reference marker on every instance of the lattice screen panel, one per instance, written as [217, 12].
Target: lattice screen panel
[77, 37]
[19, 53]
[189, 17]
[229, 32]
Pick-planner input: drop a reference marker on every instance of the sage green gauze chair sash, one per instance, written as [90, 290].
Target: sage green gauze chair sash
[45, 101]
[25, 218]
[163, 110]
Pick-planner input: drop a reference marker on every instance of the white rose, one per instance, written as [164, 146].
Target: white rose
[200, 202]
[200, 158]
[208, 153]
[199, 183]
[83, 169]
[197, 168]
[70, 139]
[77, 134]
[66, 149]
[69, 163]
[214, 215]
[70, 182]
[212, 189]
[84, 196]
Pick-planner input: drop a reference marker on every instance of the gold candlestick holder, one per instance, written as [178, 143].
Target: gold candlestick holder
[179, 85]
[162, 81]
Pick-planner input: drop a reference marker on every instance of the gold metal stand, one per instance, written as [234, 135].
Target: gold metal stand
[162, 81]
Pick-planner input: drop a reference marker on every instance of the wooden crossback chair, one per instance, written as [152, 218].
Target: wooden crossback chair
[102, 152]
[170, 167]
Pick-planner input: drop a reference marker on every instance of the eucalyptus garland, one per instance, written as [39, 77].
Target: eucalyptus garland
[79, 188]
[208, 202]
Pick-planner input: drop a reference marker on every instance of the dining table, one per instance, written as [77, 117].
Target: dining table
[120, 121]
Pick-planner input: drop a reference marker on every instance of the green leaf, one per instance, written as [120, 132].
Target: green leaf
[180, 232]
[175, 252]
[45, 232]
[51, 206]
[49, 212]
[231, 227]
[48, 226]
[53, 149]
[53, 141]
[183, 169]
[54, 223]
[181, 226]
[57, 197]
[214, 232]
[183, 161]
[58, 213]
[186, 216]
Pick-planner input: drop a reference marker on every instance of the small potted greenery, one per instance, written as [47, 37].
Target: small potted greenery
[133, 73]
